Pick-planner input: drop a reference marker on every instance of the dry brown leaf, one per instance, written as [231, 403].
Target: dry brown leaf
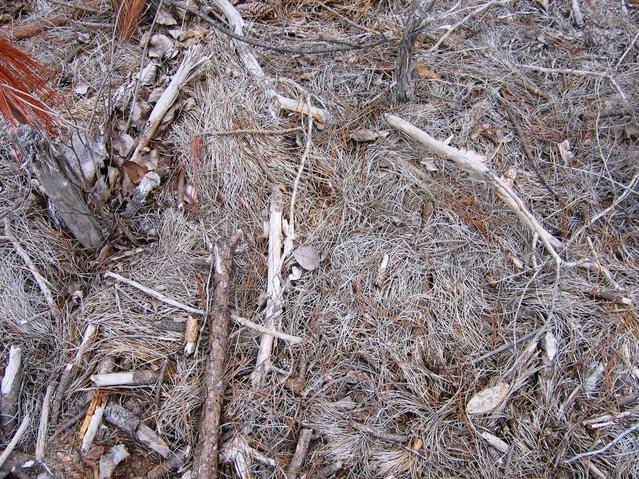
[307, 257]
[425, 72]
[487, 399]
[134, 171]
[364, 135]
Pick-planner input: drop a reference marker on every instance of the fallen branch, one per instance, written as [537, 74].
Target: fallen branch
[405, 67]
[10, 392]
[125, 378]
[40, 280]
[94, 422]
[206, 454]
[32, 28]
[155, 294]
[474, 164]
[110, 460]
[303, 441]
[273, 288]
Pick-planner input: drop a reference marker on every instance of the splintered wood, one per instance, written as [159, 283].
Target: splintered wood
[273, 288]
[205, 462]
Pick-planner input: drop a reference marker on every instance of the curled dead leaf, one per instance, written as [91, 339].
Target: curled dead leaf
[487, 399]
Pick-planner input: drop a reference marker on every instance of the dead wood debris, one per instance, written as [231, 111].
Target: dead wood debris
[401, 312]
[206, 454]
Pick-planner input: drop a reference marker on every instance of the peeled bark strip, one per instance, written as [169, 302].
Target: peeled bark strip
[126, 378]
[273, 288]
[60, 186]
[472, 164]
[205, 460]
[10, 392]
[134, 427]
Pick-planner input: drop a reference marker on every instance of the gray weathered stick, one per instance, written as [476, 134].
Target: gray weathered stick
[474, 164]
[10, 392]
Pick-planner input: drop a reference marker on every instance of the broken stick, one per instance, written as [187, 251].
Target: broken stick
[474, 164]
[300, 453]
[10, 392]
[236, 23]
[134, 427]
[206, 458]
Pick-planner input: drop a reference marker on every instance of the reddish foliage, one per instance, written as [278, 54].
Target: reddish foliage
[24, 91]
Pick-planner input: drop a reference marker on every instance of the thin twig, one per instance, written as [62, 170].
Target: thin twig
[270, 46]
[289, 338]
[155, 294]
[40, 280]
[630, 430]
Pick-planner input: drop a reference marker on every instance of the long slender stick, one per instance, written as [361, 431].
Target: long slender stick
[273, 288]
[40, 280]
[474, 165]
[155, 294]
[268, 331]
[43, 425]
[207, 450]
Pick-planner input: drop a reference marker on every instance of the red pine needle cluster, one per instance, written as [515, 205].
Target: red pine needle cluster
[128, 15]
[24, 91]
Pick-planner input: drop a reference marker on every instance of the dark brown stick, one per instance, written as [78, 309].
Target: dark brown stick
[205, 461]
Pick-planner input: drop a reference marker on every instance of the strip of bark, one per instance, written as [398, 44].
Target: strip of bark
[207, 450]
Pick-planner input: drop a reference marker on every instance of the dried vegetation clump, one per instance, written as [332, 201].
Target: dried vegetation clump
[441, 338]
